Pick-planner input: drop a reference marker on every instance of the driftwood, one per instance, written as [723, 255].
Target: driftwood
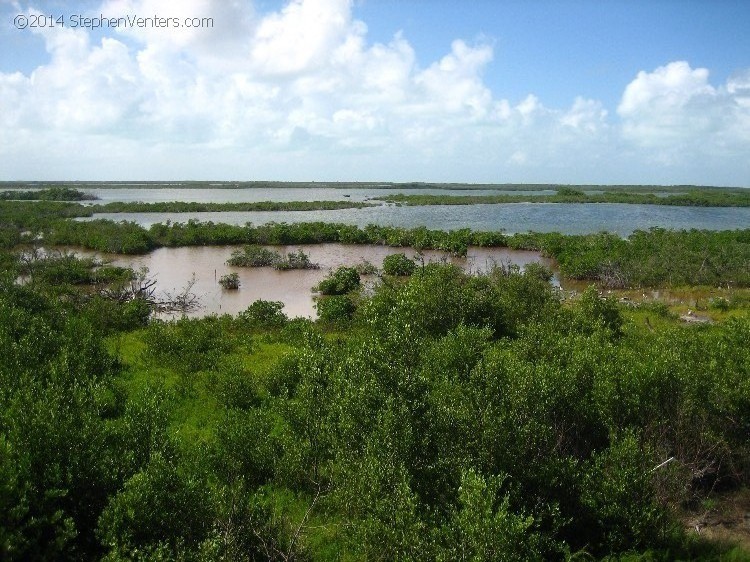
[143, 288]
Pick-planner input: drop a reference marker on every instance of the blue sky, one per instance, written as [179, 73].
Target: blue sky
[433, 90]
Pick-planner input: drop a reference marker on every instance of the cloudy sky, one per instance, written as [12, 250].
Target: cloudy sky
[578, 91]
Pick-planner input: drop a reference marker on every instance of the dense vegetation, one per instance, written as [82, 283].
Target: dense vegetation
[652, 258]
[398, 264]
[442, 417]
[48, 194]
[230, 281]
[253, 255]
[693, 198]
[197, 207]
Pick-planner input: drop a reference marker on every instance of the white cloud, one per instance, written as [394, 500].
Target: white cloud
[300, 93]
[303, 35]
[675, 111]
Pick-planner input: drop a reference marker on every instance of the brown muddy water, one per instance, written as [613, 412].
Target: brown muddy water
[174, 268]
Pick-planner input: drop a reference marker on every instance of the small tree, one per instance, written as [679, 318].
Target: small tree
[230, 281]
[264, 314]
[339, 282]
[398, 264]
[254, 256]
[296, 260]
[335, 308]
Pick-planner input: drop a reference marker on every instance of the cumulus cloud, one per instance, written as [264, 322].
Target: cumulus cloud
[675, 110]
[300, 93]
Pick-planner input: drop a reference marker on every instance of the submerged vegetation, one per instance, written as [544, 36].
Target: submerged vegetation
[295, 260]
[230, 281]
[441, 416]
[253, 256]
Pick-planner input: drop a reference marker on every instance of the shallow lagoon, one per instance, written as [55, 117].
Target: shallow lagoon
[251, 195]
[173, 269]
[567, 218]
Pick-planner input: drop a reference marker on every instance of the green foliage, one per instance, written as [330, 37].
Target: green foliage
[645, 195]
[452, 416]
[49, 194]
[264, 314]
[254, 256]
[485, 527]
[618, 492]
[295, 260]
[109, 316]
[594, 311]
[570, 192]
[188, 344]
[335, 308]
[343, 280]
[161, 508]
[199, 207]
[230, 281]
[56, 449]
[398, 264]
[103, 235]
[654, 258]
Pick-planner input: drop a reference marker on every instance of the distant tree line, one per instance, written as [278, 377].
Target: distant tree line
[652, 258]
[693, 198]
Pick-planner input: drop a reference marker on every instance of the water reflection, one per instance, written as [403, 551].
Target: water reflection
[173, 268]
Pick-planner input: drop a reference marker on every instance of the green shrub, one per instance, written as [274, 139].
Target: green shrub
[188, 344]
[254, 256]
[342, 281]
[719, 303]
[335, 308]
[264, 314]
[398, 264]
[160, 509]
[569, 192]
[230, 281]
[296, 260]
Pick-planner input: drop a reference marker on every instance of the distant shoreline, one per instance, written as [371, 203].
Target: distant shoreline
[261, 184]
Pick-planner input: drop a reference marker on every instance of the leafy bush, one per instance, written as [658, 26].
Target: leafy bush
[49, 194]
[109, 316]
[719, 303]
[264, 314]
[296, 260]
[342, 281]
[569, 192]
[188, 344]
[254, 256]
[159, 510]
[398, 264]
[335, 308]
[230, 281]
